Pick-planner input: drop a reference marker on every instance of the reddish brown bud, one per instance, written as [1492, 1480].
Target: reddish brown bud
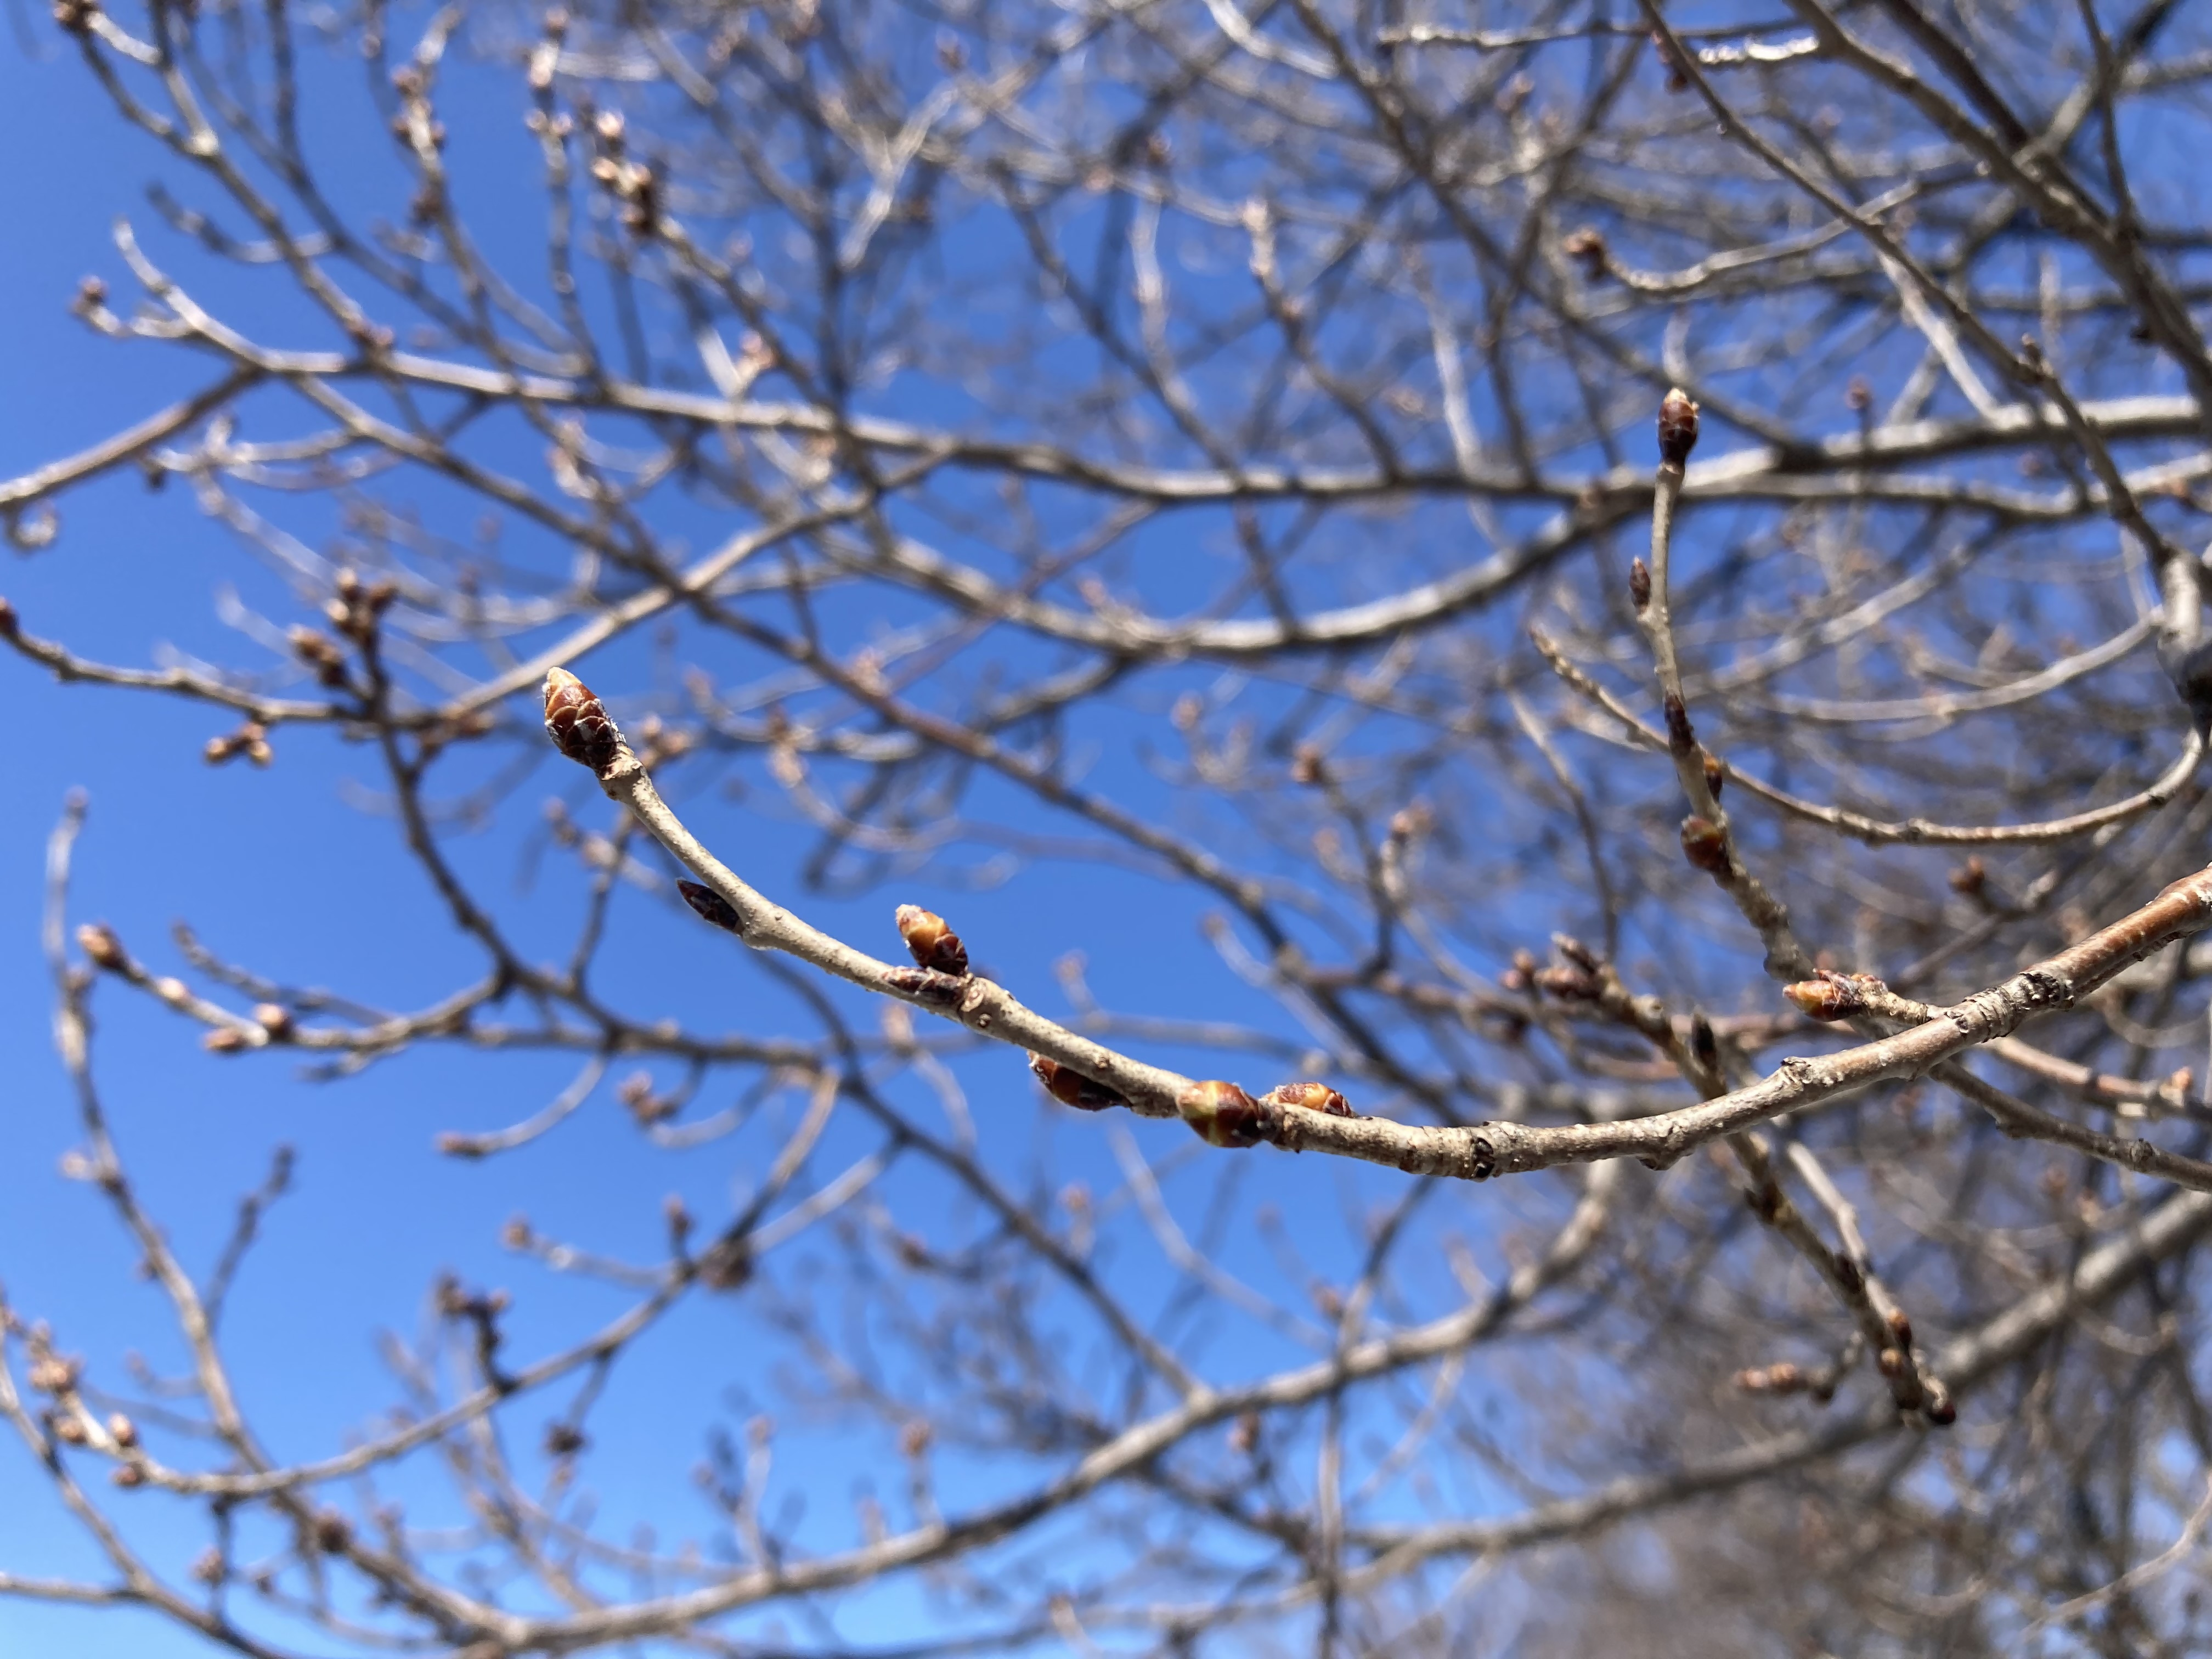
[274, 1018]
[577, 722]
[1677, 427]
[1071, 1088]
[225, 1040]
[1312, 1097]
[332, 1533]
[125, 1432]
[1891, 1362]
[98, 942]
[934, 945]
[1639, 586]
[1588, 246]
[1682, 737]
[69, 1429]
[1900, 1327]
[10, 626]
[128, 1475]
[1716, 774]
[1223, 1115]
[1819, 998]
[1970, 877]
[1706, 845]
[710, 906]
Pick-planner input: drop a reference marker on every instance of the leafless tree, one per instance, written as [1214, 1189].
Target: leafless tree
[1724, 900]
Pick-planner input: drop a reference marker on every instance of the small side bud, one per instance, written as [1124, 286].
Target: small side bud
[226, 1040]
[276, 1020]
[1715, 773]
[123, 1431]
[100, 946]
[1223, 1115]
[1891, 1362]
[934, 945]
[1639, 586]
[577, 722]
[1970, 878]
[711, 906]
[1309, 1097]
[1677, 427]
[1706, 845]
[1071, 1088]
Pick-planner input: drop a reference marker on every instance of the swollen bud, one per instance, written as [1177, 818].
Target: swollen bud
[1223, 1115]
[1677, 427]
[1706, 845]
[577, 721]
[1313, 1097]
[934, 945]
[1639, 586]
[710, 906]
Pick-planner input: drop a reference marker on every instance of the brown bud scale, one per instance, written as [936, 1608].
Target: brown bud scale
[1223, 1115]
[1677, 427]
[578, 723]
[934, 945]
[1071, 1088]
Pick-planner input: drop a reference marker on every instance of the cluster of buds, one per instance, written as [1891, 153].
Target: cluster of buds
[51, 1372]
[637, 1093]
[356, 607]
[1223, 1115]
[251, 740]
[577, 722]
[1578, 976]
[1677, 427]
[320, 652]
[1587, 246]
[632, 182]
[415, 125]
[933, 945]
[1071, 1088]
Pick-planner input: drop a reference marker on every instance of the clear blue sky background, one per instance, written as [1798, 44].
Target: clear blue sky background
[284, 871]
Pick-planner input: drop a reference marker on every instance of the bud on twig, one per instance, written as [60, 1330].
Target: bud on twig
[1706, 845]
[935, 946]
[710, 906]
[1071, 1088]
[98, 942]
[1677, 427]
[578, 723]
[1639, 586]
[1312, 1097]
[1223, 1115]
[274, 1018]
